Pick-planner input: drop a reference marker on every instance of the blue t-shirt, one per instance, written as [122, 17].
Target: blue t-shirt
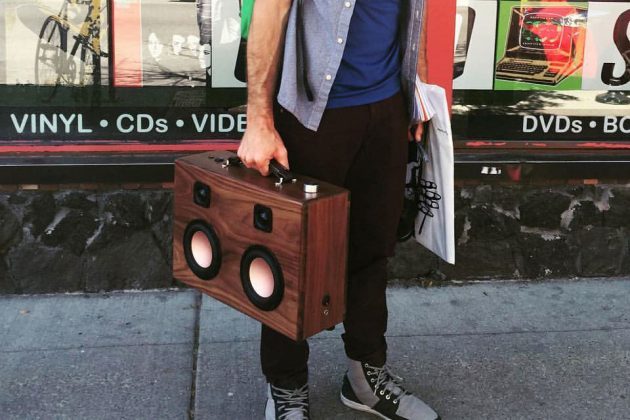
[370, 67]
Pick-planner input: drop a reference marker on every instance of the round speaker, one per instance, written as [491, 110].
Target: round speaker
[202, 249]
[261, 277]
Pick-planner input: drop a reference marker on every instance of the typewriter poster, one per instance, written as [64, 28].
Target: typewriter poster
[560, 71]
[540, 44]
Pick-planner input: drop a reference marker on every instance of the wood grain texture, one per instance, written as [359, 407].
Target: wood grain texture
[326, 263]
[234, 192]
[291, 191]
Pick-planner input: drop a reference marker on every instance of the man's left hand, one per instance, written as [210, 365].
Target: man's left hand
[415, 132]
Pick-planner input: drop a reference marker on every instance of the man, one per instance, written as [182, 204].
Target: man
[341, 116]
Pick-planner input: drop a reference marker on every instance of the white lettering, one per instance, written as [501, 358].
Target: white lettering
[222, 119]
[242, 123]
[19, 127]
[563, 124]
[81, 128]
[119, 122]
[67, 122]
[44, 122]
[145, 123]
[162, 125]
[199, 125]
[610, 125]
[546, 125]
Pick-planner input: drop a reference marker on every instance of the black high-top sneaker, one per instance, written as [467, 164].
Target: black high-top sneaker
[286, 404]
[376, 390]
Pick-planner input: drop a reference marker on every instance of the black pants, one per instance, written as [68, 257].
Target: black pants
[364, 149]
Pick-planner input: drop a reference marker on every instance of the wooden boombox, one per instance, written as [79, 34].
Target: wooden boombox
[274, 249]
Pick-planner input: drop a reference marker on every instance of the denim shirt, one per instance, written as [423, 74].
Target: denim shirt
[326, 24]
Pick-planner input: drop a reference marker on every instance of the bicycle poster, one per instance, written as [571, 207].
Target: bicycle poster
[55, 42]
[3, 51]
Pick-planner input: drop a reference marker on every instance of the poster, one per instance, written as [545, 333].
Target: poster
[540, 45]
[55, 42]
[158, 44]
[178, 43]
[63, 87]
[560, 77]
[171, 51]
[3, 57]
[475, 28]
[607, 56]
[226, 44]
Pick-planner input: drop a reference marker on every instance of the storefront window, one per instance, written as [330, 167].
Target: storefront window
[542, 75]
[110, 75]
[157, 75]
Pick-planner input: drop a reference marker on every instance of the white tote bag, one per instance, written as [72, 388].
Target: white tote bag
[435, 222]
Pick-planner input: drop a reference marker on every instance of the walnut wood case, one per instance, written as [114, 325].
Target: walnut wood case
[307, 237]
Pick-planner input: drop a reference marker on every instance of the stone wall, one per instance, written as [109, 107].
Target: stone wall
[531, 232]
[93, 240]
[85, 240]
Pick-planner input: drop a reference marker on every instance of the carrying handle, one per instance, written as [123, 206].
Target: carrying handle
[275, 168]
[281, 172]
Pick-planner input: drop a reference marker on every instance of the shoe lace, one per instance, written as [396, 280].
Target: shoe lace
[292, 403]
[386, 383]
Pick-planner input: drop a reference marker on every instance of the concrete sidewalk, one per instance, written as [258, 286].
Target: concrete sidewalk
[555, 350]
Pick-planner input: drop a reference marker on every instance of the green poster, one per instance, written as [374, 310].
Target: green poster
[247, 8]
[540, 45]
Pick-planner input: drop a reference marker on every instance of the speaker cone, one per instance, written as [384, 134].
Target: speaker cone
[201, 194]
[261, 277]
[202, 249]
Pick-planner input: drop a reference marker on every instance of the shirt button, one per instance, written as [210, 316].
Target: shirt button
[347, 4]
[339, 40]
[413, 47]
[328, 77]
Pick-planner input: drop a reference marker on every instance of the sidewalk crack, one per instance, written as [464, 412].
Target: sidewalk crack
[195, 357]
[462, 334]
[111, 346]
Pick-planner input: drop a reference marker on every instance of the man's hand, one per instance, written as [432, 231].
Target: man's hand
[260, 144]
[415, 132]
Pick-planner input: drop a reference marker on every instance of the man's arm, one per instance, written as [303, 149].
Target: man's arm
[261, 142]
[422, 67]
